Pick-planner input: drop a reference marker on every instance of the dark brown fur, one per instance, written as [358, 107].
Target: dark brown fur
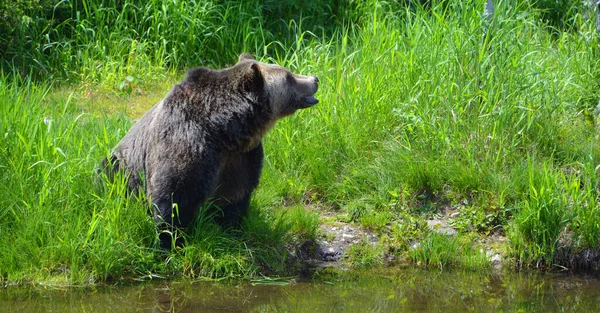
[203, 140]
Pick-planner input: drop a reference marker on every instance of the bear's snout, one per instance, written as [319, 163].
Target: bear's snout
[308, 97]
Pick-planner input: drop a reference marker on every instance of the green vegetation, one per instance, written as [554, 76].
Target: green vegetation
[418, 118]
[442, 251]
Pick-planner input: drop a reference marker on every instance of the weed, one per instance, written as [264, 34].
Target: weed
[541, 218]
[365, 255]
[442, 251]
[435, 250]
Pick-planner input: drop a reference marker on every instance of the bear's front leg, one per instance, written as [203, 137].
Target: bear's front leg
[163, 216]
[177, 193]
[233, 212]
[240, 175]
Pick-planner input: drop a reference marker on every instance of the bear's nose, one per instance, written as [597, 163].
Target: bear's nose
[316, 79]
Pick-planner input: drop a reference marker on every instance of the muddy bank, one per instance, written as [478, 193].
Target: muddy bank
[331, 249]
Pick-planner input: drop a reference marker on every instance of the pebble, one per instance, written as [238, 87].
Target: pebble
[496, 258]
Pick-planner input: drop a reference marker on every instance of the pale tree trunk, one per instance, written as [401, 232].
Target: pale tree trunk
[488, 16]
[598, 17]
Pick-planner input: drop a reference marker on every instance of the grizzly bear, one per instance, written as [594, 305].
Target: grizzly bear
[203, 141]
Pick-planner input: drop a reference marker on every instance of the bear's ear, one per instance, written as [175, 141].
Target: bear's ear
[253, 79]
[245, 57]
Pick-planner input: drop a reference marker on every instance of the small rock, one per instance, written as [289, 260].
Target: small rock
[496, 258]
[372, 239]
[434, 223]
[330, 255]
[441, 227]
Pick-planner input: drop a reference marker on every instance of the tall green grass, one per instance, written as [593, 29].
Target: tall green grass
[418, 111]
[104, 42]
[416, 115]
[441, 251]
[63, 223]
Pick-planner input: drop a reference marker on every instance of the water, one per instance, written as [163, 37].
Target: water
[391, 291]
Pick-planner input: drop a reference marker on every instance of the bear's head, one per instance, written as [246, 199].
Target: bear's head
[285, 91]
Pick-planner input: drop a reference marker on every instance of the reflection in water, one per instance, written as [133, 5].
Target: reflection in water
[212, 297]
[405, 290]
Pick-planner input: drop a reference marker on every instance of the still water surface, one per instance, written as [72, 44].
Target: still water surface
[391, 291]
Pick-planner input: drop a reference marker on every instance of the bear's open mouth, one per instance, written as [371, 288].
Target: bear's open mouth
[311, 100]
